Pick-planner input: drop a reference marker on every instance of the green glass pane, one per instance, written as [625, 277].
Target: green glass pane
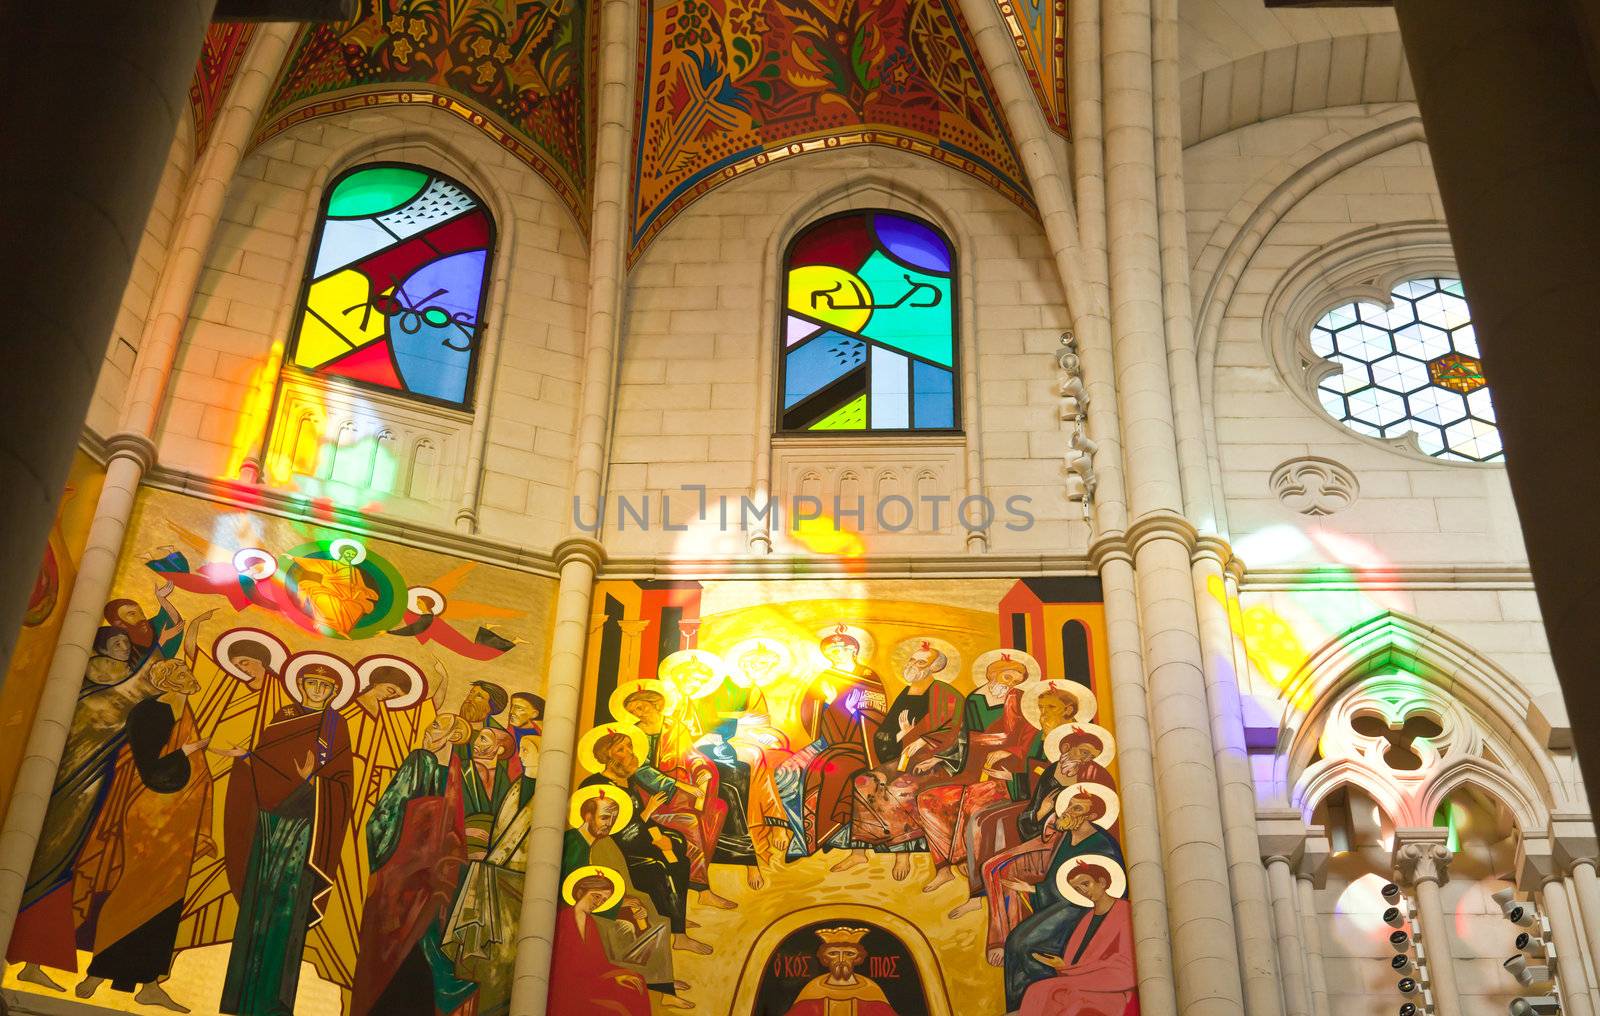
[373, 191]
[850, 416]
[911, 309]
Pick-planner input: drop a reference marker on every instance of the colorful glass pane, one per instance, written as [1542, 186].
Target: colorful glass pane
[394, 297]
[1410, 368]
[868, 337]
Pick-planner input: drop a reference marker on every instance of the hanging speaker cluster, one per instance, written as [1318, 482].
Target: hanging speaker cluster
[1534, 962]
[1409, 962]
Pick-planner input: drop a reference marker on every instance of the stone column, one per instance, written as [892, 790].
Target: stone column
[1421, 862]
[1199, 896]
[1311, 875]
[1587, 887]
[580, 558]
[133, 452]
[1080, 267]
[77, 190]
[1570, 946]
[1282, 845]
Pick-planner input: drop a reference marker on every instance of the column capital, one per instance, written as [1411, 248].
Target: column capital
[1213, 547]
[1281, 833]
[1110, 546]
[127, 444]
[1421, 855]
[1572, 837]
[1314, 859]
[579, 546]
[1162, 525]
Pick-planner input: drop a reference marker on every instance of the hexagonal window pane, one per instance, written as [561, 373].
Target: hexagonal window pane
[1384, 387]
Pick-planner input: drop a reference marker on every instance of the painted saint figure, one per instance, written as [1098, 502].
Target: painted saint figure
[1094, 971]
[335, 593]
[841, 991]
[590, 981]
[286, 816]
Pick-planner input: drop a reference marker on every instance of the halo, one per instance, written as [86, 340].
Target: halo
[1052, 741]
[619, 712]
[277, 652]
[419, 683]
[585, 872]
[1112, 801]
[1086, 701]
[299, 662]
[586, 743]
[1116, 890]
[248, 557]
[337, 547]
[868, 643]
[733, 659]
[902, 653]
[583, 794]
[674, 683]
[416, 591]
[985, 660]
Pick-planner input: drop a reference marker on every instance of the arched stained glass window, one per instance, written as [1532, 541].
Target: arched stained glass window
[395, 286]
[868, 337]
[1411, 367]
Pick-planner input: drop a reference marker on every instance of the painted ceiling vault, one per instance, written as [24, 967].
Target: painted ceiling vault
[728, 86]
[516, 69]
[1039, 28]
[220, 56]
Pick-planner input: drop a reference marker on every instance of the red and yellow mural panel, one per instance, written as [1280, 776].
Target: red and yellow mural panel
[800, 797]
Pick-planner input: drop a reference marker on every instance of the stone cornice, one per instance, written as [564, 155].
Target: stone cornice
[1343, 578]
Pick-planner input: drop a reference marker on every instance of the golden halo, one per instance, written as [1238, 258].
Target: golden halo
[277, 652]
[419, 683]
[1112, 801]
[437, 597]
[337, 547]
[734, 658]
[641, 747]
[247, 558]
[1052, 741]
[619, 711]
[300, 661]
[865, 640]
[1116, 890]
[674, 675]
[584, 872]
[981, 665]
[582, 795]
[1030, 700]
[902, 654]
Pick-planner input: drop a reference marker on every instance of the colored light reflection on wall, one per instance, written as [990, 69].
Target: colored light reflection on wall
[254, 413]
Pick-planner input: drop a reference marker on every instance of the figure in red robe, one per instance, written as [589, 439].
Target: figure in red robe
[426, 626]
[1094, 973]
[841, 991]
[588, 980]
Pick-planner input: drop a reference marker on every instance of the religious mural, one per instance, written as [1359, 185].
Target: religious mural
[220, 56]
[47, 609]
[298, 779]
[518, 70]
[730, 85]
[1039, 28]
[813, 797]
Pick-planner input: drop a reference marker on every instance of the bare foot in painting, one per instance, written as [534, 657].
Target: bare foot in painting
[711, 899]
[902, 867]
[966, 908]
[941, 878]
[154, 994]
[680, 985]
[674, 1002]
[996, 957]
[754, 878]
[33, 973]
[854, 859]
[688, 944]
[88, 986]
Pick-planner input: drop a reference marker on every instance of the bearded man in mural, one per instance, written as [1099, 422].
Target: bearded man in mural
[918, 743]
[287, 815]
[840, 711]
[841, 991]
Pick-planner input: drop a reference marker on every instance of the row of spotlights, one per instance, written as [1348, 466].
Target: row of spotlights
[1533, 962]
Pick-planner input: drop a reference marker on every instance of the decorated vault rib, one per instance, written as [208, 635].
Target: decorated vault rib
[220, 56]
[1039, 29]
[517, 70]
[727, 86]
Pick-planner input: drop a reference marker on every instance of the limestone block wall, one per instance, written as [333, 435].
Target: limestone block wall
[527, 385]
[699, 346]
[105, 410]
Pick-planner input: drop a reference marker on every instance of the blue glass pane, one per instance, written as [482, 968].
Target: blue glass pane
[933, 396]
[818, 363]
[891, 395]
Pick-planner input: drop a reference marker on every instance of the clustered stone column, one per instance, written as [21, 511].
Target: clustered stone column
[132, 453]
[1311, 875]
[579, 558]
[1421, 866]
[1570, 946]
[1283, 844]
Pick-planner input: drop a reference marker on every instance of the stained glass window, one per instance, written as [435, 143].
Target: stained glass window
[1411, 367]
[868, 337]
[394, 290]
